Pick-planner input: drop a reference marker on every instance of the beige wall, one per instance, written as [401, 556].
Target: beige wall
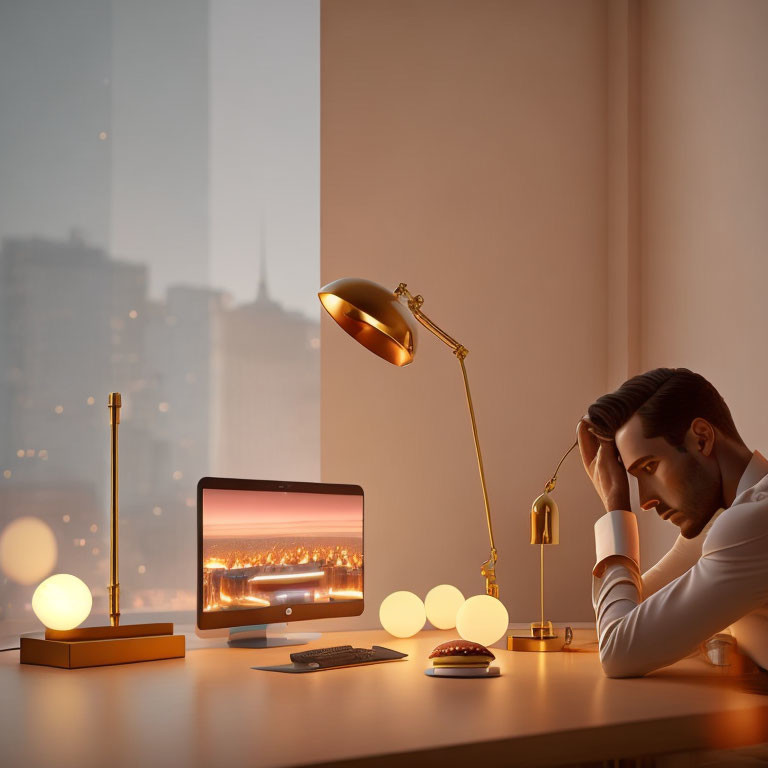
[578, 189]
[704, 199]
[464, 153]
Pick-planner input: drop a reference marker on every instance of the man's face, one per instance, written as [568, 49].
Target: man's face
[682, 483]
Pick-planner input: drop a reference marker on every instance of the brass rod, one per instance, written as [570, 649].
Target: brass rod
[479, 454]
[541, 583]
[114, 404]
[488, 569]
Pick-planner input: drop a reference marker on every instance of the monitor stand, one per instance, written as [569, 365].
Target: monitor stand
[267, 636]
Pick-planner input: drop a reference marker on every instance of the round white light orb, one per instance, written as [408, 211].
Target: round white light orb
[442, 603]
[482, 619]
[62, 601]
[28, 550]
[402, 614]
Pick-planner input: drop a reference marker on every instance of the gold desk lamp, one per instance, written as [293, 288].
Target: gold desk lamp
[117, 643]
[545, 529]
[377, 318]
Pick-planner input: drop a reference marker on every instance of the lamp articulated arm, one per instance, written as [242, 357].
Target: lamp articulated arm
[488, 568]
[550, 486]
[414, 304]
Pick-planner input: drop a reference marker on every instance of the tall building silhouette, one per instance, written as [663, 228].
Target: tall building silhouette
[74, 326]
[265, 379]
[71, 329]
[160, 138]
[67, 338]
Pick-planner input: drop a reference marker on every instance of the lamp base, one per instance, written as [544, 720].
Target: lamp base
[102, 646]
[537, 644]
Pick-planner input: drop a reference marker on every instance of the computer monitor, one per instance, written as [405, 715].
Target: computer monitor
[270, 552]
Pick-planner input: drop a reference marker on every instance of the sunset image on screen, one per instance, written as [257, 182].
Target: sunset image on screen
[264, 548]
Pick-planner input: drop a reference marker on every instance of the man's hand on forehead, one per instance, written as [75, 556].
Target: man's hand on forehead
[607, 441]
[603, 466]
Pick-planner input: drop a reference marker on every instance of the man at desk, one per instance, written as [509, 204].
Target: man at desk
[671, 429]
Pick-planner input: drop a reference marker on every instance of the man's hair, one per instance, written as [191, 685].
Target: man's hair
[667, 400]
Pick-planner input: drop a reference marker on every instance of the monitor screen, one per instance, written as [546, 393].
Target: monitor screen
[272, 551]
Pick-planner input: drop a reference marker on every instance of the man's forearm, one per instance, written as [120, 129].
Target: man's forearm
[728, 581]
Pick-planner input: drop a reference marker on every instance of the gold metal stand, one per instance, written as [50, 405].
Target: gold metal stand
[115, 644]
[542, 637]
[488, 568]
[539, 645]
[114, 404]
[545, 529]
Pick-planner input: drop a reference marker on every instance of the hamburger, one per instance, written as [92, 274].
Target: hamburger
[461, 654]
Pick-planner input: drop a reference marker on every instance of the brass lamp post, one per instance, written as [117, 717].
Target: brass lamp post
[545, 529]
[377, 318]
[114, 404]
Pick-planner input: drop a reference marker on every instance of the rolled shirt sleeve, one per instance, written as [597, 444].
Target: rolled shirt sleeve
[616, 534]
[616, 582]
[730, 579]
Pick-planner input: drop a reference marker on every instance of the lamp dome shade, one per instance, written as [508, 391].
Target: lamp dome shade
[545, 521]
[372, 315]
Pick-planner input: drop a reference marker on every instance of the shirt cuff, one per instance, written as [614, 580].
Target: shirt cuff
[616, 534]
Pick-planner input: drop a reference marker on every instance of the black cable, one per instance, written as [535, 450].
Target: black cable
[17, 648]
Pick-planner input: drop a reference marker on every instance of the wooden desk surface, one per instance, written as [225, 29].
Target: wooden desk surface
[211, 709]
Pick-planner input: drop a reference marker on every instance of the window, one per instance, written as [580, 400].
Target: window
[159, 215]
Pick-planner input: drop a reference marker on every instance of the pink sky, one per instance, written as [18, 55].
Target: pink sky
[268, 513]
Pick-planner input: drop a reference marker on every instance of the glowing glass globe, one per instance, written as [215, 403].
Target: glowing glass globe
[402, 614]
[62, 601]
[28, 550]
[442, 604]
[482, 619]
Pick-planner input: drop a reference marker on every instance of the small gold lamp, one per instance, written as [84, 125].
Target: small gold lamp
[377, 318]
[545, 529]
[105, 645]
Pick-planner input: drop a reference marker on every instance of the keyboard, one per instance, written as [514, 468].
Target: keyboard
[344, 656]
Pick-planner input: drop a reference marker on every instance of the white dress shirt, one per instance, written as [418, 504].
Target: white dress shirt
[700, 587]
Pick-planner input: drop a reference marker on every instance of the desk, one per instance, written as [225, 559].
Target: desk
[211, 709]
